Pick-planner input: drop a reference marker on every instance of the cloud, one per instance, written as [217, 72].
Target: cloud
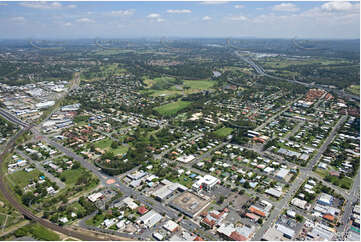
[18, 19]
[156, 17]
[179, 11]
[214, 2]
[339, 6]
[127, 12]
[41, 5]
[286, 7]
[153, 15]
[238, 6]
[206, 18]
[85, 20]
[46, 5]
[68, 24]
[238, 18]
[3, 4]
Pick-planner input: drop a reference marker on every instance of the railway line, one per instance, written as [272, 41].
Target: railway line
[9, 196]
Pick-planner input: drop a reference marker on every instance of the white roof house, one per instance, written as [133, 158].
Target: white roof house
[299, 203]
[186, 159]
[170, 225]
[95, 196]
[150, 219]
[130, 203]
[274, 192]
[282, 173]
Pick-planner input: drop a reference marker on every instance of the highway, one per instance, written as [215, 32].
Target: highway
[12, 118]
[262, 72]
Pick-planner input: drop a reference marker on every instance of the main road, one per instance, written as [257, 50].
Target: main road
[262, 72]
[6, 191]
[301, 178]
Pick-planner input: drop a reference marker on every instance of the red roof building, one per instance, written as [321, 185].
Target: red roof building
[198, 239]
[237, 237]
[142, 210]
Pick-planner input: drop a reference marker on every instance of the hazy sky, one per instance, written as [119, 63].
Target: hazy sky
[179, 19]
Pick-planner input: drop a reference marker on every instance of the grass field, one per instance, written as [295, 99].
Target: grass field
[279, 62]
[199, 84]
[105, 144]
[223, 132]
[188, 87]
[172, 108]
[343, 182]
[22, 178]
[354, 89]
[42, 233]
[112, 52]
[159, 80]
[71, 176]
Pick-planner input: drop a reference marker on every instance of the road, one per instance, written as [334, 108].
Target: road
[294, 130]
[38, 166]
[304, 174]
[159, 207]
[325, 144]
[261, 72]
[276, 115]
[6, 191]
[352, 199]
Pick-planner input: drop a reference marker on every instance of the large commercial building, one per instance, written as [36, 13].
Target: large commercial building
[206, 183]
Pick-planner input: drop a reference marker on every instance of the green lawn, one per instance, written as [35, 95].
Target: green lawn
[105, 144]
[184, 180]
[71, 176]
[343, 182]
[159, 80]
[188, 87]
[199, 84]
[355, 89]
[42, 233]
[112, 52]
[96, 220]
[223, 132]
[172, 108]
[22, 178]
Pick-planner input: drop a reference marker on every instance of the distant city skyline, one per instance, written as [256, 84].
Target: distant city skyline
[57, 20]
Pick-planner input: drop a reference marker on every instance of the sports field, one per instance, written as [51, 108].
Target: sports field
[172, 108]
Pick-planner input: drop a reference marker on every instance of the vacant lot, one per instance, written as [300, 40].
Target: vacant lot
[105, 144]
[22, 178]
[72, 175]
[343, 182]
[172, 108]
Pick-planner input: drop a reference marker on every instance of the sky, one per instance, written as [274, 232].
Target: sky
[260, 19]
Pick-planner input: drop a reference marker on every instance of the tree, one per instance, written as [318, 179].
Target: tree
[114, 145]
[220, 200]
[21, 232]
[27, 198]
[299, 218]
